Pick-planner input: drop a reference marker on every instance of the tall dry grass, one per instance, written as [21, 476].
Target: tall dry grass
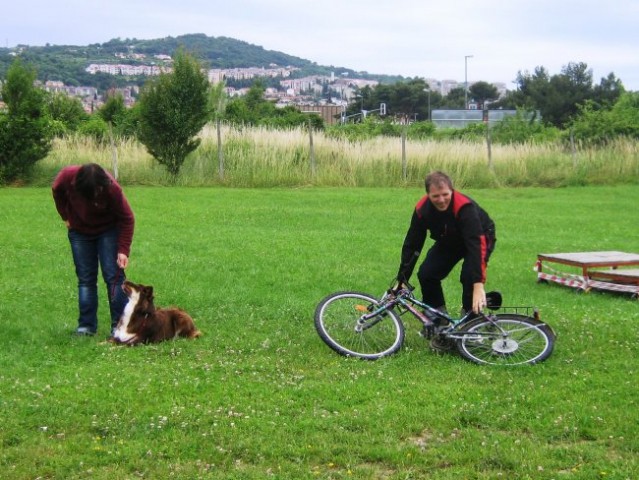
[261, 157]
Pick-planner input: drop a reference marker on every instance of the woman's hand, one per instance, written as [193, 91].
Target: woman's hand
[123, 261]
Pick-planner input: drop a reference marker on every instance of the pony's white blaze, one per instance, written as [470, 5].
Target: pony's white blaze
[121, 333]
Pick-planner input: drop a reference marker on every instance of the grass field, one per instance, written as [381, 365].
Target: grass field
[259, 395]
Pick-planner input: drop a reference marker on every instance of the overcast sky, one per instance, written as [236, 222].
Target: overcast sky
[413, 38]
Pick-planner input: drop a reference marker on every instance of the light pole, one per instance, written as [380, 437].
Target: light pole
[466, 57]
[427, 90]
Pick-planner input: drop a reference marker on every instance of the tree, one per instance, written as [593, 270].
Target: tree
[532, 90]
[66, 111]
[608, 91]
[256, 109]
[560, 97]
[410, 99]
[625, 115]
[122, 120]
[405, 100]
[571, 88]
[172, 111]
[25, 127]
[599, 126]
[455, 99]
[482, 92]
[253, 109]
[363, 101]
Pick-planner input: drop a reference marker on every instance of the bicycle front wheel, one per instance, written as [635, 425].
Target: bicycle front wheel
[337, 320]
[508, 339]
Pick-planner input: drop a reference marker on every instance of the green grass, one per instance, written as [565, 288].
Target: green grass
[259, 395]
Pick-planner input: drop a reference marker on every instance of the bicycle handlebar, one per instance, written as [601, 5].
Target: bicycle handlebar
[397, 286]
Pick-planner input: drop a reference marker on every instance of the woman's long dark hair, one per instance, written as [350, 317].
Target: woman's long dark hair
[91, 180]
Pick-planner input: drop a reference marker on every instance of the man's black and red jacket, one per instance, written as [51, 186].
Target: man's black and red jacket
[463, 226]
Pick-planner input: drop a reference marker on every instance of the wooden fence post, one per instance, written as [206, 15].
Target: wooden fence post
[404, 166]
[312, 149]
[220, 150]
[489, 147]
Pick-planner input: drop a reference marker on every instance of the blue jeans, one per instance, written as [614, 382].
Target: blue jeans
[89, 251]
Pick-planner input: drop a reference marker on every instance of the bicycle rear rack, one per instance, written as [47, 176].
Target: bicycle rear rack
[525, 311]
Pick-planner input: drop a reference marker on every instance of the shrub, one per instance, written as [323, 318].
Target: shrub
[600, 126]
[25, 126]
[66, 111]
[96, 128]
[522, 128]
[471, 132]
[420, 130]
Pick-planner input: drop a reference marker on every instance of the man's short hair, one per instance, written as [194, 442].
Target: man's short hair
[437, 178]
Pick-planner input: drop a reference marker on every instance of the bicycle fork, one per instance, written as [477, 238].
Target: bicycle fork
[369, 319]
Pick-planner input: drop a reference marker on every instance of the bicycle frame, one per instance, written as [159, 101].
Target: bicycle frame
[406, 301]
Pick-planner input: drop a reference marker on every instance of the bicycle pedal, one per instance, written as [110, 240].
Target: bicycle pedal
[426, 332]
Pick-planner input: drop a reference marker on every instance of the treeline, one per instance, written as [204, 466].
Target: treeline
[559, 98]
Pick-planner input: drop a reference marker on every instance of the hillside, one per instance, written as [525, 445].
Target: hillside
[214, 52]
[66, 63]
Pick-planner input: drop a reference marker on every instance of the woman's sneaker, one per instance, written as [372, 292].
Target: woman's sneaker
[84, 332]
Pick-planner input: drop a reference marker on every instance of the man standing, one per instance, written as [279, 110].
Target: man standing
[462, 230]
[100, 227]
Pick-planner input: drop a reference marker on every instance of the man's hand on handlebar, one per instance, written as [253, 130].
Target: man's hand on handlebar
[398, 287]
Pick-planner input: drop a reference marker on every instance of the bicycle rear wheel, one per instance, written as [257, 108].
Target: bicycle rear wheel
[337, 322]
[509, 339]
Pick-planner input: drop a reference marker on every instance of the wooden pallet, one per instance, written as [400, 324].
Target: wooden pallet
[599, 270]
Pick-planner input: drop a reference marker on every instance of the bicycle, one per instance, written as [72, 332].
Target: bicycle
[356, 324]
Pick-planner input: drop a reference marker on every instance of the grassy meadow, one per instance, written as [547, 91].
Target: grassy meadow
[258, 157]
[259, 396]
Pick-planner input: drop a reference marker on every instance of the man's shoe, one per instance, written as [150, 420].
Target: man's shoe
[440, 344]
[84, 332]
[441, 323]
